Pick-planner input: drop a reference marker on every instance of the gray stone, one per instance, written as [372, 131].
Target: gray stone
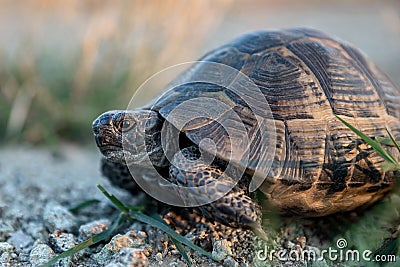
[5, 229]
[62, 241]
[40, 254]
[159, 257]
[115, 264]
[57, 217]
[90, 229]
[132, 239]
[23, 256]
[5, 247]
[221, 249]
[5, 259]
[132, 257]
[37, 230]
[20, 240]
[230, 262]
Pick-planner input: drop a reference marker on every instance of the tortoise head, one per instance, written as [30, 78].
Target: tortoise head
[122, 135]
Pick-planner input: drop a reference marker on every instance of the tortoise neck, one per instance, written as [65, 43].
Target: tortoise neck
[154, 147]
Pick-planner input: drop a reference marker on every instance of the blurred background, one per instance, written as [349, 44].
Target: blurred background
[64, 62]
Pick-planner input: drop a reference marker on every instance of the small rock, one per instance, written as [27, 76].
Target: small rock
[190, 237]
[37, 230]
[159, 257]
[221, 249]
[115, 264]
[139, 238]
[20, 240]
[90, 229]
[131, 257]
[5, 229]
[23, 256]
[57, 217]
[5, 247]
[62, 241]
[5, 259]
[40, 254]
[132, 239]
[230, 262]
[175, 252]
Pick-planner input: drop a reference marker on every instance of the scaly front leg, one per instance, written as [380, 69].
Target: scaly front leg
[234, 208]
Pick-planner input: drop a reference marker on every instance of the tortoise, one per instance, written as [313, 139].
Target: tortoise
[319, 166]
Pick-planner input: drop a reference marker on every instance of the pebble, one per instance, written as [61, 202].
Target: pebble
[5, 259]
[5, 247]
[37, 230]
[20, 240]
[23, 256]
[61, 241]
[40, 254]
[114, 264]
[230, 262]
[131, 257]
[57, 217]
[159, 257]
[5, 229]
[221, 249]
[132, 239]
[90, 229]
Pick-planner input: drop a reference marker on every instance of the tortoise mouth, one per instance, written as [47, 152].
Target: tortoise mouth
[108, 149]
[113, 153]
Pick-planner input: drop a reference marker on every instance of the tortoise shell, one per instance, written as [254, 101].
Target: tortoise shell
[306, 78]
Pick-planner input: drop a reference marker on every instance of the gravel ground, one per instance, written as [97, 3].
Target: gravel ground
[38, 186]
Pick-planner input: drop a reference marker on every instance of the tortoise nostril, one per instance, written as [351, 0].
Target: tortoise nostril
[103, 121]
[106, 118]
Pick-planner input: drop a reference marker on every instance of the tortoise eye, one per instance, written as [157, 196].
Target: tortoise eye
[126, 124]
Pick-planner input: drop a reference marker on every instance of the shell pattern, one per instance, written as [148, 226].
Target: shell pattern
[319, 165]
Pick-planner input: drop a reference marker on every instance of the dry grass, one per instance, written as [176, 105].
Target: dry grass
[68, 61]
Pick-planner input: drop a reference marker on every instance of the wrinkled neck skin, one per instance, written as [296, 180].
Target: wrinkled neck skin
[154, 148]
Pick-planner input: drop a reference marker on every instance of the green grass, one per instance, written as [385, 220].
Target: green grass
[378, 230]
[391, 163]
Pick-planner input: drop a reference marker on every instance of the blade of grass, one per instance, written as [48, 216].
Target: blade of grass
[137, 208]
[83, 205]
[114, 200]
[182, 250]
[91, 241]
[137, 215]
[374, 144]
[393, 140]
